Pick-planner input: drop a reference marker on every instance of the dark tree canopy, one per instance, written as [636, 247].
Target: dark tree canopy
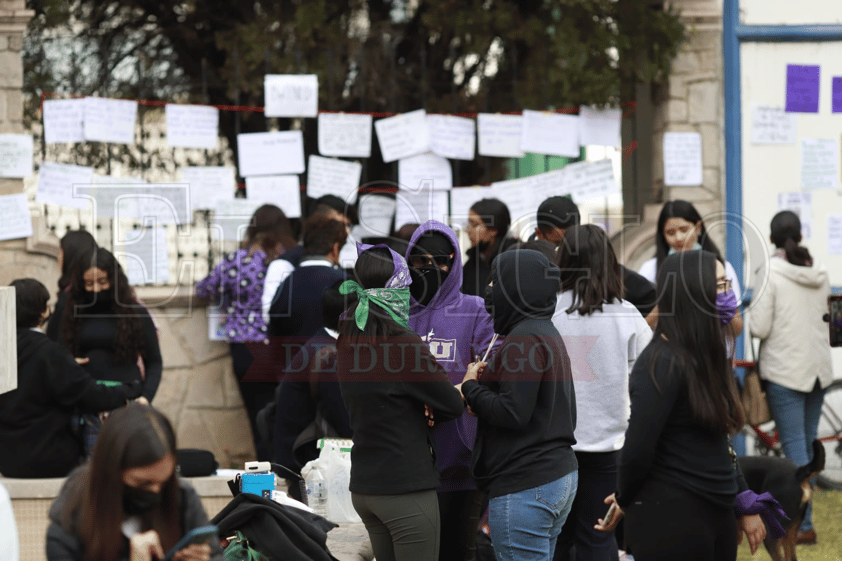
[370, 55]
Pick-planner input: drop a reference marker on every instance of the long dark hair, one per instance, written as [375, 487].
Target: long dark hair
[589, 268]
[123, 305]
[269, 228]
[686, 211]
[74, 244]
[786, 235]
[690, 334]
[494, 214]
[372, 270]
[134, 436]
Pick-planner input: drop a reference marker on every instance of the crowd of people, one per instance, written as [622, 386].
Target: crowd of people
[540, 384]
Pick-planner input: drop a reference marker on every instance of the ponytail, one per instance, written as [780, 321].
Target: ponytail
[786, 233]
[796, 254]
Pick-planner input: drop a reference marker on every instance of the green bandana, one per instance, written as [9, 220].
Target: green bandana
[394, 300]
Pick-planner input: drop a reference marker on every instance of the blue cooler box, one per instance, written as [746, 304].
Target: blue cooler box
[260, 484]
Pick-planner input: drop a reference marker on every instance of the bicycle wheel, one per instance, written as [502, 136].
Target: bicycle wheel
[830, 433]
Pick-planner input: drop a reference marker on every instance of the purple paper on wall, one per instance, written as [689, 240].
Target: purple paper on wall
[802, 89]
[837, 95]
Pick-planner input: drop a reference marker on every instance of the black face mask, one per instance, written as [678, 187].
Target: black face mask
[97, 300]
[488, 297]
[426, 282]
[139, 501]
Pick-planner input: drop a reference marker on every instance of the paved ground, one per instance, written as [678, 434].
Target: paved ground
[349, 542]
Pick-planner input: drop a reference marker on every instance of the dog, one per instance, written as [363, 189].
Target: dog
[790, 485]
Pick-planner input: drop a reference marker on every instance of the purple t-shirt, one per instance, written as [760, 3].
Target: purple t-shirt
[237, 284]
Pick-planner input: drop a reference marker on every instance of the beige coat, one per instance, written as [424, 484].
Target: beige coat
[787, 318]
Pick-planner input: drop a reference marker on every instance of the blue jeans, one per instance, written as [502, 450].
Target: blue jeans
[525, 525]
[796, 416]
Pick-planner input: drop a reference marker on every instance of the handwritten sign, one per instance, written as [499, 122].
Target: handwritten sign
[64, 120]
[802, 205]
[291, 95]
[231, 218]
[145, 256]
[834, 234]
[452, 137]
[773, 125]
[802, 88]
[425, 169]
[207, 184]
[271, 153]
[599, 127]
[819, 163]
[682, 158]
[836, 101]
[55, 184]
[110, 120]
[375, 213]
[590, 180]
[114, 197]
[192, 126]
[283, 191]
[403, 135]
[327, 176]
[15, 155]
[163, 203]
[463, 198]
[550, 133]
[499, 135]
[345, 135]
[419, 206]
[15, 221]
[519, 196]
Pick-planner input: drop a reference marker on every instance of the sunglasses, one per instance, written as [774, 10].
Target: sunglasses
[417, 261]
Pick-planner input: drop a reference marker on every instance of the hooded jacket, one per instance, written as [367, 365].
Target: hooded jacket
[457, 328]
[787, 317]
[525, 399]
[35, 419]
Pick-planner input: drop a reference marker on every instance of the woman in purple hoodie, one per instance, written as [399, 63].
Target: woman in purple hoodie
[457, 328]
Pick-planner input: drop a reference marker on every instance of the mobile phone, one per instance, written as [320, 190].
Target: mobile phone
[835, 304]
[609, 516]
[202, 534]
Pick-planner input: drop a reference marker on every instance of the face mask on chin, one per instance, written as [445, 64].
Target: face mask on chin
[426, 282]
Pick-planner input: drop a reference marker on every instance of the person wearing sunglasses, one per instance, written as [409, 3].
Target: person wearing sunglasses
[457, 328]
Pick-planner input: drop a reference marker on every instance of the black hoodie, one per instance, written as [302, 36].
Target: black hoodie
[525, 399]
[35, 428]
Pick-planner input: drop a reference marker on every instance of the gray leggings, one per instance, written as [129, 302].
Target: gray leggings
[401, 527]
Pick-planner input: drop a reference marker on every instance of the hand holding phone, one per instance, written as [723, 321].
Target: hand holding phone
[612, 517]
[196, 536]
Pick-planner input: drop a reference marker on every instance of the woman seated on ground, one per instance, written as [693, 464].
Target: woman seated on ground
[128, 503]
[35, 419]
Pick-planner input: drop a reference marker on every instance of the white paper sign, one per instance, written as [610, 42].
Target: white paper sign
[192, 126]
[291, 95]
[209, 184]
[15, 221]
[519, 196]
[463, 198]
[419, 206]
[375, 213]
[15, 155]
[345, 135]
[773, 125]
[550, 133]
[682, 158]
[426, 169]
[590, 180]
[145, 256]
[115, 197]
[452, 137]
[819, 163]
[834, 234]
[283, 191]
[403, 135]
[232, 217]
[110, 120]
[500, 135]
[64, 120]
[163, 203]
[271, 153]
[327, 176]
[802, 205]
[55, 184]
[600, 127]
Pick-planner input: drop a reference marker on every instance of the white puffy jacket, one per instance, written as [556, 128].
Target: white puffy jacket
[787, 317]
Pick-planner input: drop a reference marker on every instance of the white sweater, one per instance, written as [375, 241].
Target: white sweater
[602, 347]
[787, 318]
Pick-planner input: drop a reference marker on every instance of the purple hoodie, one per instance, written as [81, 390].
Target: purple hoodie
[457, 328]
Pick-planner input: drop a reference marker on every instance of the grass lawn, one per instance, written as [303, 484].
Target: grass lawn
[827, 519]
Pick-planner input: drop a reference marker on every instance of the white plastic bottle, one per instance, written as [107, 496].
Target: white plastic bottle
[316, 492]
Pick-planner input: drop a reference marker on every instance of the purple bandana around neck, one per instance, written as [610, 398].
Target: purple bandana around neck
[400, 278]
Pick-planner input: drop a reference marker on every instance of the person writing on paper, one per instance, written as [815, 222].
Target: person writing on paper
[488, 229]
[526, 404]
[794, 350]
[127, 503]
[680, 228]
[388, 377]
[678, 479]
